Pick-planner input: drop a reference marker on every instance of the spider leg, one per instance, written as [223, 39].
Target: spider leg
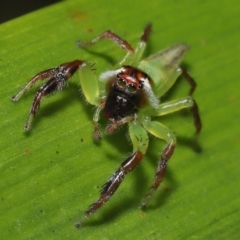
[194, 108]
[129, 59]
[160, 131]
[190, 80]
[40, 76]
[96, 131]
[112, 126]
[198, 126]
[146, 33]
[68, 68]
[139, 139]
[176, 105]
[111, 36]
[112, 185]
[58, 78]
[133, 59]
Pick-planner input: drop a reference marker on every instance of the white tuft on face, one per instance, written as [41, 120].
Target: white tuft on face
[105, 76]
[152, 99]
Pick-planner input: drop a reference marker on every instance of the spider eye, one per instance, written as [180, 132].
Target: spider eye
[122, 83]
[131, 88]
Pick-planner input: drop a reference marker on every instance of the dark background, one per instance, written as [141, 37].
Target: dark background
[10, 9]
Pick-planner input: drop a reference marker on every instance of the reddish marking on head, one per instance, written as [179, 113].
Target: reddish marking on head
[133, 76]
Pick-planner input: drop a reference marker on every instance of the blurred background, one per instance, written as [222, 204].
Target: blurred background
[10, 9]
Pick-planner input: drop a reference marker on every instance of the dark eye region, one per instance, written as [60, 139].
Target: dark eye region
[128, 87]
[131, 79]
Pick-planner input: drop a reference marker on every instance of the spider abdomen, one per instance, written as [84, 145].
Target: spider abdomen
[118, 106]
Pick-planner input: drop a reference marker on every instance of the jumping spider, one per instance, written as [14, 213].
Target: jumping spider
[131, 95]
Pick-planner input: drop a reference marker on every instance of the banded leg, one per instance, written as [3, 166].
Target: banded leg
[129, 59]
[112, 185]
[58, 78]
[190, 80]
[139, 138]
[66, 68]
[194, 107]
[162, 132]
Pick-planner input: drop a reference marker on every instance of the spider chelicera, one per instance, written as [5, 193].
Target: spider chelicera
[131, 96]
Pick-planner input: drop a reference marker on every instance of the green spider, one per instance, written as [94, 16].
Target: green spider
[131, 96]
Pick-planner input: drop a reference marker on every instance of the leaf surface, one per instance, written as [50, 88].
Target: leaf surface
[50, 175]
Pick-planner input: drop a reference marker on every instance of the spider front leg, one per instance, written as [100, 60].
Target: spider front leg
[111, 36]
[112, 126]
[139, 138]
[132, 57]
[162, 132]
[58, 78]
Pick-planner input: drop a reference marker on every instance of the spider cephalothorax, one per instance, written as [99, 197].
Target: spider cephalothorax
[126, 89]
[131, 96]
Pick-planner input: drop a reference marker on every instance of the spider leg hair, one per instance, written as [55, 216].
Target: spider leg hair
[58, 78]
[139, 139]
[160, 131]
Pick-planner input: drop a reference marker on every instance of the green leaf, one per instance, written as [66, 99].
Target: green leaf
[50, 175]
